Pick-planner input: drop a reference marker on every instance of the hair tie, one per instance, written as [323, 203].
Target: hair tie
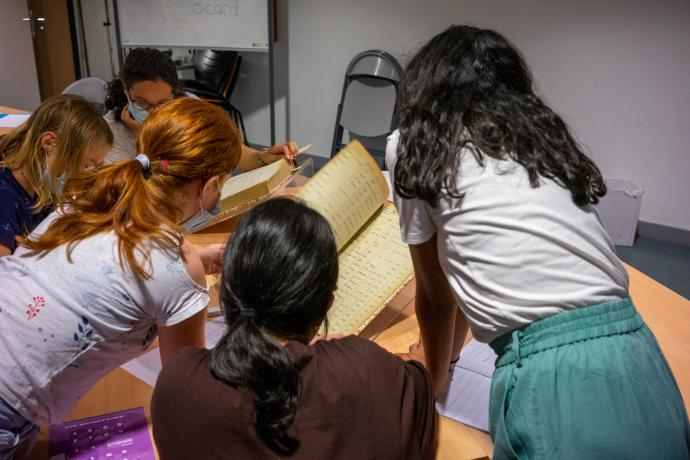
[164, 166]
[145, 163]
[144, 160]
[248, 313]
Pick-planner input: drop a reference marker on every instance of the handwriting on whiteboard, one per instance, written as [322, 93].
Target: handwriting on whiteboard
[217, 9]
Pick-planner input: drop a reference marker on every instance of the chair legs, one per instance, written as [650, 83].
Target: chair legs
[239, 121]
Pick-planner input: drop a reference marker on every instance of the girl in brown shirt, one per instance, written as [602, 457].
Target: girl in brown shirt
[269, 389]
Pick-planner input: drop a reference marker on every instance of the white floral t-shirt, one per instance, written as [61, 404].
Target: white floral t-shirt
[65, 325]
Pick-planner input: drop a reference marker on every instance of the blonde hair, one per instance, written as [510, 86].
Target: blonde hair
[77, 125]
[185, 140]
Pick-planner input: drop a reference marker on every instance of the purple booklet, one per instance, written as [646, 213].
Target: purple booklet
[120, 435]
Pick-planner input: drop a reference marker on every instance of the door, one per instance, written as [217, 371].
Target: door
[18, 80]
[96, 25]
[53, 45]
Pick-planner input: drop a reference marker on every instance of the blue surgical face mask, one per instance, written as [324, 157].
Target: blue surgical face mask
[55, 185]
[137, 112]
[200, 218]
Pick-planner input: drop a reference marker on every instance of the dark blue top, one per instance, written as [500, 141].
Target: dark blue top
[16, 214]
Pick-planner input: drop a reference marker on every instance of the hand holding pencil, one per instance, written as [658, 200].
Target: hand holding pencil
[289, 151]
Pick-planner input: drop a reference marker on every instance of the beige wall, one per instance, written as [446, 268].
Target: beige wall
[618, 71]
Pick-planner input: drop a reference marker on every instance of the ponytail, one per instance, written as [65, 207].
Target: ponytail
[246, 357]
[184, 140]
[115, 98]
[114, 198]
[280, 269]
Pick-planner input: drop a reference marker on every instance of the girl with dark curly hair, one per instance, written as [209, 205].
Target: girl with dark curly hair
[495, 199]
[149, 79]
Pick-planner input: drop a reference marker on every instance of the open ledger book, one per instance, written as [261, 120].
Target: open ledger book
[242, 192]
[252, 185]
[351, 193]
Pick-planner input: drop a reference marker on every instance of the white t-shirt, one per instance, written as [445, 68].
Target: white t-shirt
[65, 325]
[513, 254]
[124, 141]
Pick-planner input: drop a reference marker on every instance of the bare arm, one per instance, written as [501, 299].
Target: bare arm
[4, 250]
[190, 332]
[249, 157]
[442, 326]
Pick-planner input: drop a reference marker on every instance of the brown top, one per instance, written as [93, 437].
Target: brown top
[358, 402]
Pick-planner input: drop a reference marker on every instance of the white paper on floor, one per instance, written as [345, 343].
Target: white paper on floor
[467, 400]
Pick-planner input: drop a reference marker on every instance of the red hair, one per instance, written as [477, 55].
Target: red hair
[189, 139]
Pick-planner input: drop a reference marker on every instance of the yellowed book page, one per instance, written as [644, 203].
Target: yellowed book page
[252, 185]
[237, 184]
[347, 191]
[374, 266]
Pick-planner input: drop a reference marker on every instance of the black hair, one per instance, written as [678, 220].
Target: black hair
[141, 64]
[470, 87]
[280, 269]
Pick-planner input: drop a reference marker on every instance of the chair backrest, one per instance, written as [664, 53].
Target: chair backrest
[375, 63]
[93, 89]
[367, 105]
[217, 69]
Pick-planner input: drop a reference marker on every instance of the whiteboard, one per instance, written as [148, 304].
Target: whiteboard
[230, 24]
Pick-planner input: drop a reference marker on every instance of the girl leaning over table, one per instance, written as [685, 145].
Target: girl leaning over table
[273, 389]
[62, 138]
[110, 269]
[495, 199]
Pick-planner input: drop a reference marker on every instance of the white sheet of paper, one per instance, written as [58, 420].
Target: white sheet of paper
[147, 366]
[479, 358]
[13, 120]
[467, 400]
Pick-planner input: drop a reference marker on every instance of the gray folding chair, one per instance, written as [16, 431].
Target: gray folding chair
[367, 105]
[92, 89]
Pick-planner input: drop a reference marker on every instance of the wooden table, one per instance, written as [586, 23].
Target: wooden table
[666, 313]
[4, 109]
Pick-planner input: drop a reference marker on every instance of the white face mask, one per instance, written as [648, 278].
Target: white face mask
[200, 218]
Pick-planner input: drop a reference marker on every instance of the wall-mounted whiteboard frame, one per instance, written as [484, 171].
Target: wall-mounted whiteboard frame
[203, 36]
[239, 25]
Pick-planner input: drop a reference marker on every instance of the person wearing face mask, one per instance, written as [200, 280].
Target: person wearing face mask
[110, 269]
[62, 138]
[149, 79]
[209, 206]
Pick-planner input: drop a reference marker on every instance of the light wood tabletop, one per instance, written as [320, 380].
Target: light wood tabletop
[666, 313]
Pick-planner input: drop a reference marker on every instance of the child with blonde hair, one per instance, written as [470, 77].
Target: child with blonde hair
[61, 139]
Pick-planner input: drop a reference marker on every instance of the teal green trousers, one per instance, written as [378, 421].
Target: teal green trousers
[589, 383]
